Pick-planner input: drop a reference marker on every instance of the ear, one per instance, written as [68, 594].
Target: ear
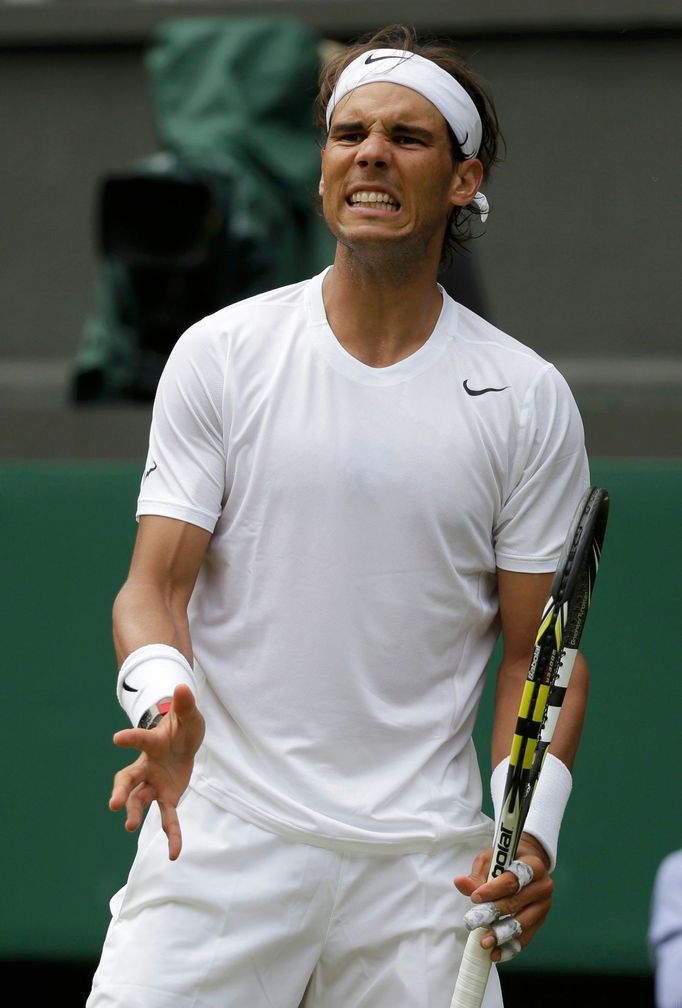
[466, 181]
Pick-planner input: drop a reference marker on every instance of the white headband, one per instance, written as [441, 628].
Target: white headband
[395, 66]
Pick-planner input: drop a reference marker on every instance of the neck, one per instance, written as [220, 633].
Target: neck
[381, 313]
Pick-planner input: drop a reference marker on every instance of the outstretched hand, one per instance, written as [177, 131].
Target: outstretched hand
[502, 897]
[162, 771]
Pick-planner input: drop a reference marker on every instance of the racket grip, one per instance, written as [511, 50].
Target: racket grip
[473, 973]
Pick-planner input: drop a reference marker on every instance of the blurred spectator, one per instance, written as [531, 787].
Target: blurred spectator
[665, 932]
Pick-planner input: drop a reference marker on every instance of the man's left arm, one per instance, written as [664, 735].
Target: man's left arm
[522, 597]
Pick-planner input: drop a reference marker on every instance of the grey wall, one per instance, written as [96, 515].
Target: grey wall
[582, 254]
[582, 249]
[584, 207]
[73, 114]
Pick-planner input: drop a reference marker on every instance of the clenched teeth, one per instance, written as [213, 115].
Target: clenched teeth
[373, 197]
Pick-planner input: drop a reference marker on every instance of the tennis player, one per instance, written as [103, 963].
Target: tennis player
[353, 486]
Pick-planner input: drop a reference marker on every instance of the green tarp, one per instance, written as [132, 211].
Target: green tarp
[238, 169]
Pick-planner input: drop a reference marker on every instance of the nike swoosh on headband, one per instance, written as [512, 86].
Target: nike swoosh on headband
[375, 59]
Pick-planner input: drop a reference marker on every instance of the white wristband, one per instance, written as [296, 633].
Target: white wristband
[148, 675]
[547, 808]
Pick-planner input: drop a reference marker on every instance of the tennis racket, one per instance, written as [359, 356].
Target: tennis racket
[554, 654]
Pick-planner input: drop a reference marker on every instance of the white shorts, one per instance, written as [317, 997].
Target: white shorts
[245, 919]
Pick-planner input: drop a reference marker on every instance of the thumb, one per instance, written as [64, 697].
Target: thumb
[186, 723]
[467, 884]
[183, 700]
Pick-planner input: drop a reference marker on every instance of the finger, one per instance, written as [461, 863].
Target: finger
[506, 928]
[505, 893]
[467, 884]
[183, 700]
[496, 890]
[171, 827]
[186, 723]
[139, 800]
[481, 915]
[523, 872]
[125, 782]
[509, 950]
[131, 738]
[530, 905]
[119, 796]
[528, 923]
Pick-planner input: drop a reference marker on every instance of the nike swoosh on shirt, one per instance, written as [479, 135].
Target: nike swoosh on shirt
[480, 391]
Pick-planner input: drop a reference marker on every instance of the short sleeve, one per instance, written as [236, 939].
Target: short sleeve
[184, 475]
[549, 475]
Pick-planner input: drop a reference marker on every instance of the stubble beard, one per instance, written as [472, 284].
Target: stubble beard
[396, 256]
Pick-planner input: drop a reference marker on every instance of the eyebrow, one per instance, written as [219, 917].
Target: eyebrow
[358, 126]
[418, 131]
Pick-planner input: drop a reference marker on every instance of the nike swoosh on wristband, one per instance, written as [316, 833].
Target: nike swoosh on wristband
[131, 689]
[481, 391]
[375, 59]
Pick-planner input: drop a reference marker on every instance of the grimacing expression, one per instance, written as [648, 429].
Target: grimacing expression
[387, 169]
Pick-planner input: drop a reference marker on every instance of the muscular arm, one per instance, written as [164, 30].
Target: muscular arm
[522, 597]
[151, 607]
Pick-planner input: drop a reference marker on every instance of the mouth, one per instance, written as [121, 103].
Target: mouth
[371, 199]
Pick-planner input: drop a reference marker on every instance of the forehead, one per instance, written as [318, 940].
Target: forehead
[389, 102]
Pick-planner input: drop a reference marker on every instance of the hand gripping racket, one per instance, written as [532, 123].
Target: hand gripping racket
[554, 654]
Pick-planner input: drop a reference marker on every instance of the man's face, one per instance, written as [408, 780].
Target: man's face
[388, 174]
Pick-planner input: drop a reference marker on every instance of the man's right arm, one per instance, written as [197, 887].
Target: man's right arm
[152, 640]
[151, 607]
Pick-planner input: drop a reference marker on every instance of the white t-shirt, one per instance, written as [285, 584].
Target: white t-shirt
[347, 608]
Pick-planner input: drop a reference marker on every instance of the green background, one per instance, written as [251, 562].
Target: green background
[68, 531]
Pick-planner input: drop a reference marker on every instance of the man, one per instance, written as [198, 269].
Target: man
[353, 486]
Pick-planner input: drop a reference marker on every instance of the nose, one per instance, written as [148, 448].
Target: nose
[373, 151]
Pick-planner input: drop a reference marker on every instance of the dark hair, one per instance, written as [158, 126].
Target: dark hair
[442, 52]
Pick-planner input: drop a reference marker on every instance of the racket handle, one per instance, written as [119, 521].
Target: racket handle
[473, 973]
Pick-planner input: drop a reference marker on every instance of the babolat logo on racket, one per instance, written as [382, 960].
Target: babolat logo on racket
[503, 854]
